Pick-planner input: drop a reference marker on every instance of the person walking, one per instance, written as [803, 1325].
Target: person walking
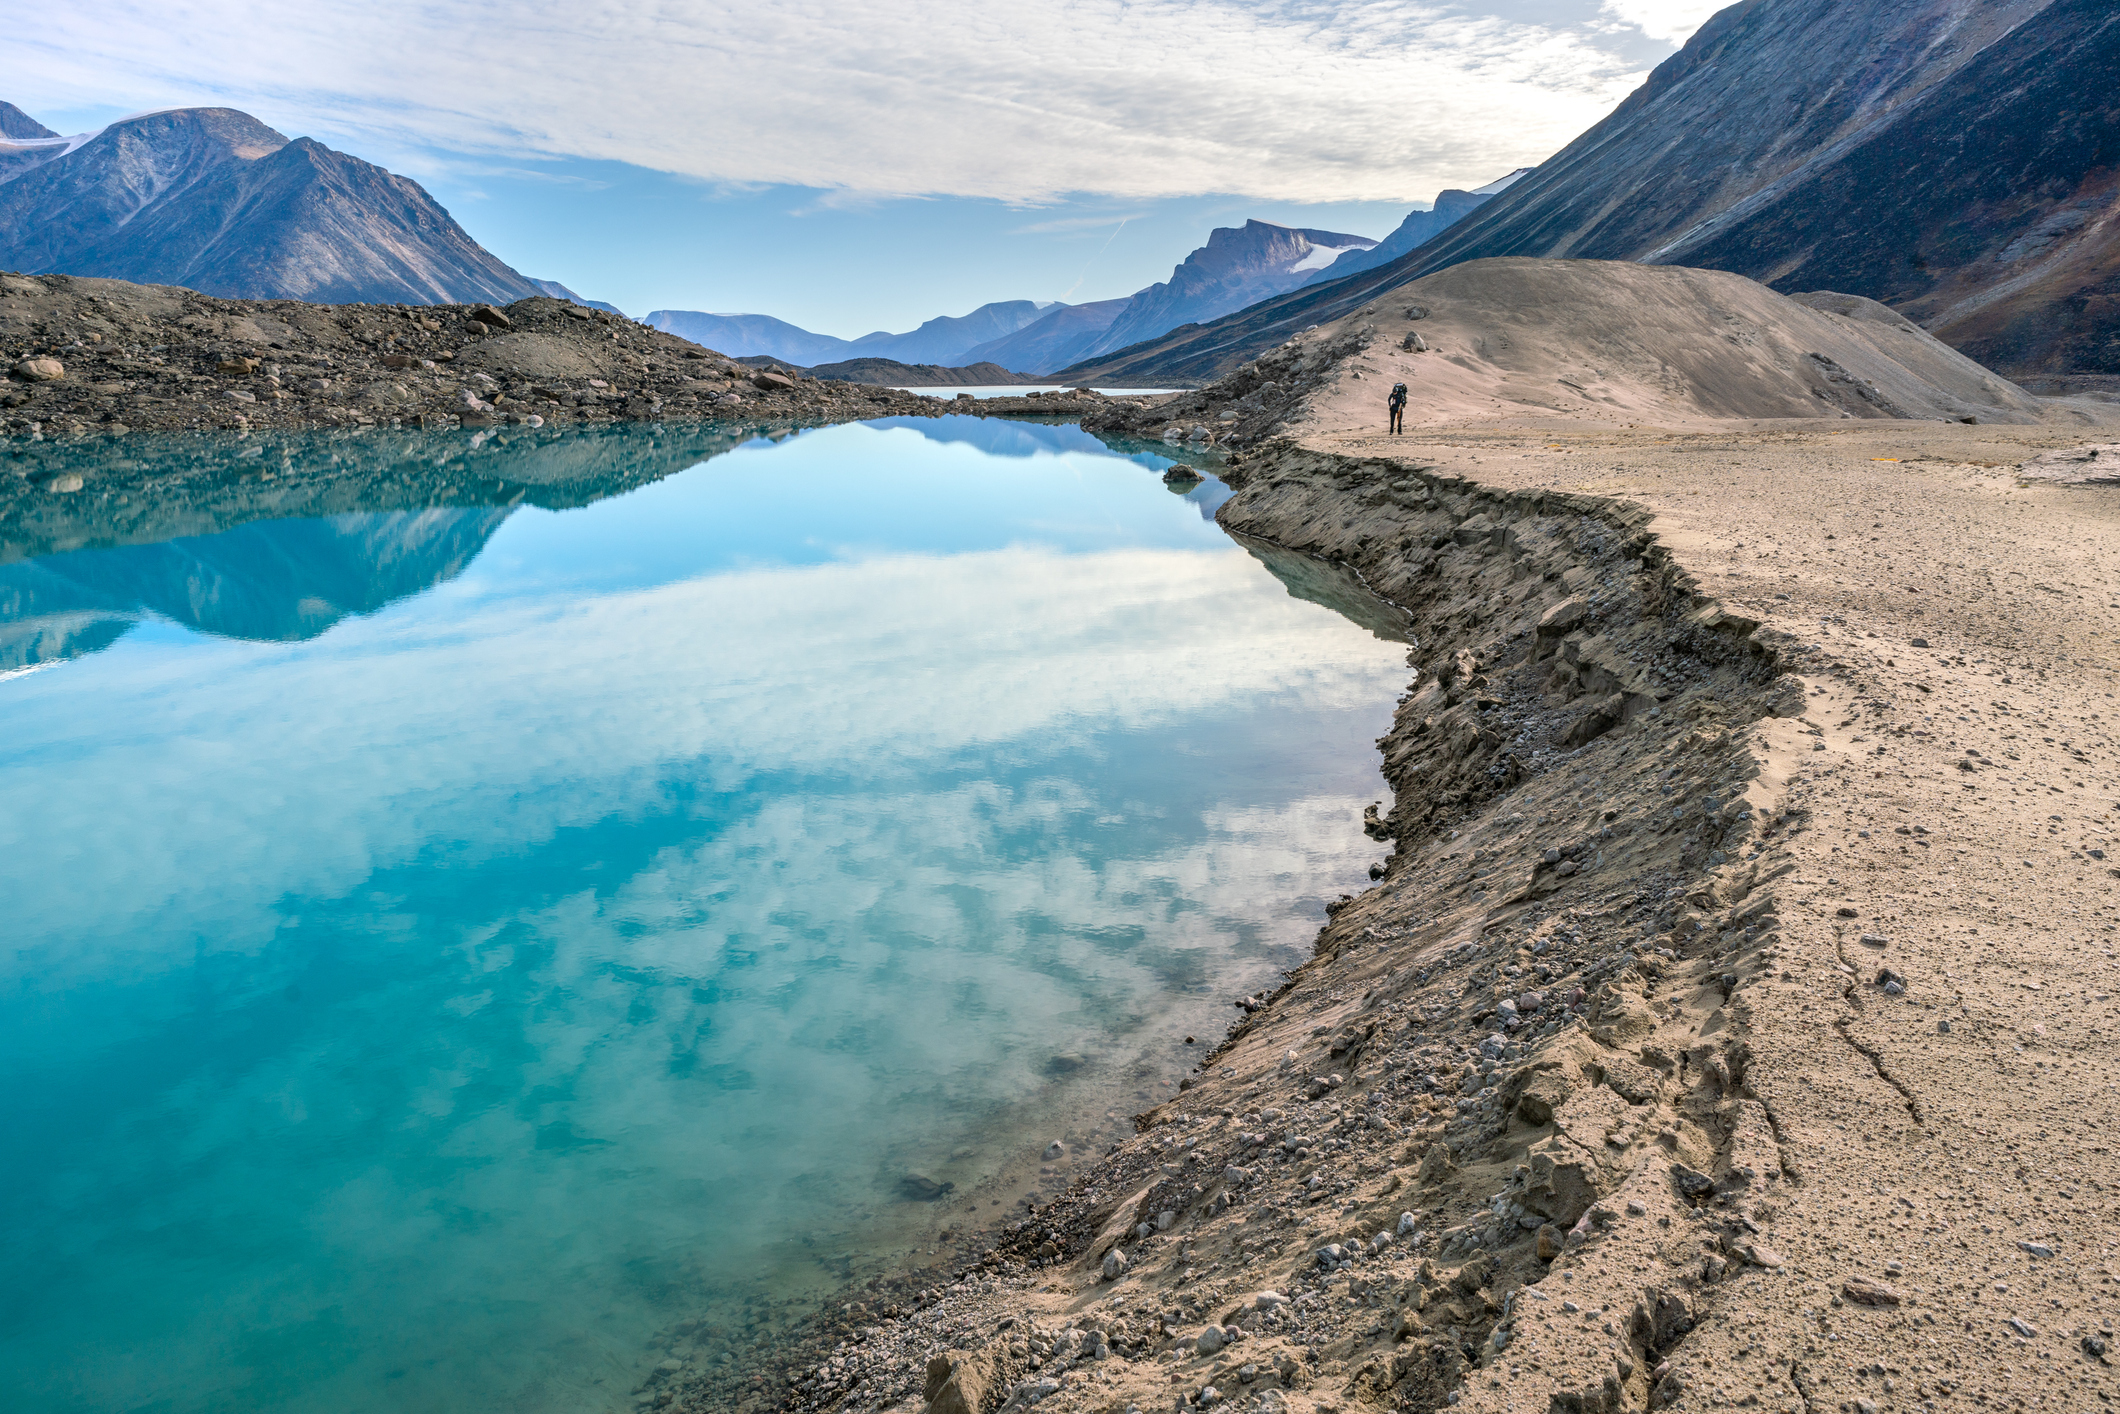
[1398, 408]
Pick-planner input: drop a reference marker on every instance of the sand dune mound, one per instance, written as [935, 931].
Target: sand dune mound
[1615, 341]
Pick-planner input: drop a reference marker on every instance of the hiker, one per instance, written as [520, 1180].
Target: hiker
[1398, 407]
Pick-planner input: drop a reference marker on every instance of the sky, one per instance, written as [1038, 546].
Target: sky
[853, 166]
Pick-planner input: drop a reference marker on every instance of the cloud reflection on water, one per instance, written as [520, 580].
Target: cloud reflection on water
[469, 988]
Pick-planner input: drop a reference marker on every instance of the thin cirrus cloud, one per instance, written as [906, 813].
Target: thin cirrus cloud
[1133, 99]
[1669, 20]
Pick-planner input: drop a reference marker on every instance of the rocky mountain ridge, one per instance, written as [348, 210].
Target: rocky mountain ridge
[214, 200]
[1952, 161]
[1237, 266]
[1451, 206]
[946, 339]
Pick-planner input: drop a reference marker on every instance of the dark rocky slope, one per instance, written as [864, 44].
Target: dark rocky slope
[1951, 160]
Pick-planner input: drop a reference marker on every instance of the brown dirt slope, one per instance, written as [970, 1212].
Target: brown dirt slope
[1730, 1025]
[1602, 342]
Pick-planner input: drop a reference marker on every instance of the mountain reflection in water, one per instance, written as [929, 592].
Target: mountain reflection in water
[278, 538]
[502, 898]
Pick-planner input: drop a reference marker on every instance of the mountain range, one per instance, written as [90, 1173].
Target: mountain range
[1238, 266]
[1959, 163]
[942, 340]
[214, 200]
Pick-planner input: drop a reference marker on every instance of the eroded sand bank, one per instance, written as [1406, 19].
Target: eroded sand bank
[1767, 770]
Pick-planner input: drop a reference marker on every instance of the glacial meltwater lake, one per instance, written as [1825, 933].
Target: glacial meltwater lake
[472, 902]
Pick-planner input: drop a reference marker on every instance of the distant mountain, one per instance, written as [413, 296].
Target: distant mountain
[1234, 268]
[1063, 334]
[890, 373]
[1238, 266]
[944, 340]
[948, 340]
[1953, 161]
[558, 291]
[749, 335]
[1420, 227]
[214, 200]
[18, 124]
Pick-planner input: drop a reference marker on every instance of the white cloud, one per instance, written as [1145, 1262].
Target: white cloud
[1670, 20]
[1278, 99]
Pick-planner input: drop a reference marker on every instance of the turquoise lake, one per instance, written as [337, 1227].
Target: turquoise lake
[463, 921]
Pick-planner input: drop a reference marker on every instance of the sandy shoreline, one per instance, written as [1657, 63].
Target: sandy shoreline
[1766, 1172]
[1767, 770]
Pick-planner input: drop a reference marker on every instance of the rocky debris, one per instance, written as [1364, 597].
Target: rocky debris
[2095, 464]
[1468, 1127]
[1864, 1291]
[1244, 408]
[103, 356]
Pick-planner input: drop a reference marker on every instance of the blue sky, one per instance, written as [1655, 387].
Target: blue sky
[850, 167]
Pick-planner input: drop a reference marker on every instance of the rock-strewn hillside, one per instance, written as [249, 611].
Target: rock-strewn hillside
[82, 354]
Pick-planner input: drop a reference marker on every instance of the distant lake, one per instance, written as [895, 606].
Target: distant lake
[469, 913]
[1017, 390]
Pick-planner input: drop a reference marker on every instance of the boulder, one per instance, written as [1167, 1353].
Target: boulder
[1543, 1092]
[771, 382]
[1562, 1183]
[1564, 617]
[958, 1382]
[40, 370]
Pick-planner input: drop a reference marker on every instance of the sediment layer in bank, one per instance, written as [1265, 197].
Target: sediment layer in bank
[1805, 940]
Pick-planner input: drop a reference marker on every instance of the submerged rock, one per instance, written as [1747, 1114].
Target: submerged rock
[921, 1189]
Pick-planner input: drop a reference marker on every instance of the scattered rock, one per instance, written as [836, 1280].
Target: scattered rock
[1692, 1182]
[1865, 1292]
[1564, 616]
[922, 1189]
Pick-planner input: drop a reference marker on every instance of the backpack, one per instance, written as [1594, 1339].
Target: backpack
[1398, 393]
